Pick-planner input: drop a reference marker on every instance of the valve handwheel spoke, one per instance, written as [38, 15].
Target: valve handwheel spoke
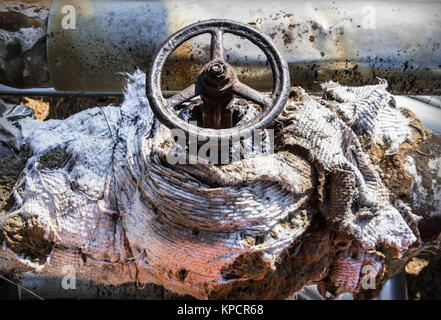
[218, 84]
[217, 45]
[250, 94]
[187, 94]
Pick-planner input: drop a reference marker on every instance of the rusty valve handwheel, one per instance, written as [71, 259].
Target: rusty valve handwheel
[218, 83]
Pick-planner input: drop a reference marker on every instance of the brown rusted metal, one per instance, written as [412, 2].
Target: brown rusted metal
[218, 84]
[217, 78]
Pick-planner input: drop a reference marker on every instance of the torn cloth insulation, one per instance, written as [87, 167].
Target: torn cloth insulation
[110, 205]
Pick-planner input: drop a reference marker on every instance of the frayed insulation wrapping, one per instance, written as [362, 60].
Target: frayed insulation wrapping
[105, 200]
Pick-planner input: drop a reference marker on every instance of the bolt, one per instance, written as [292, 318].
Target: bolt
[216, 69]
[217, 74]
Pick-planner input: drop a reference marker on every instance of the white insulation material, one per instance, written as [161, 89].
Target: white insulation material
[118, 212]
[371, 109]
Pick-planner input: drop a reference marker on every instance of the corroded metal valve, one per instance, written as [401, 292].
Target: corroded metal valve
[218, 84]
[217, 79]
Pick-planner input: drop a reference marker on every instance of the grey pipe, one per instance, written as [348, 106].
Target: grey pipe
[395, 288]
[352, 42]
[51, 92]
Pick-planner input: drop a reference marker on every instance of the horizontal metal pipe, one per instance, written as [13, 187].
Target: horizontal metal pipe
[51, 92]
[395, 288]
[433, 101]
[426, 112]
[351, 42]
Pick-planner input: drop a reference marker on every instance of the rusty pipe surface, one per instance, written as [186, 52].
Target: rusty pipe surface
[351, 42]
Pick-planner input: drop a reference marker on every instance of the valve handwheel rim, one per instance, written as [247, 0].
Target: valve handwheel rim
[272, 106]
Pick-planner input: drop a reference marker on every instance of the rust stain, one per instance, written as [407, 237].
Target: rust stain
[13, 21]
[44, 3]
[181, 65]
